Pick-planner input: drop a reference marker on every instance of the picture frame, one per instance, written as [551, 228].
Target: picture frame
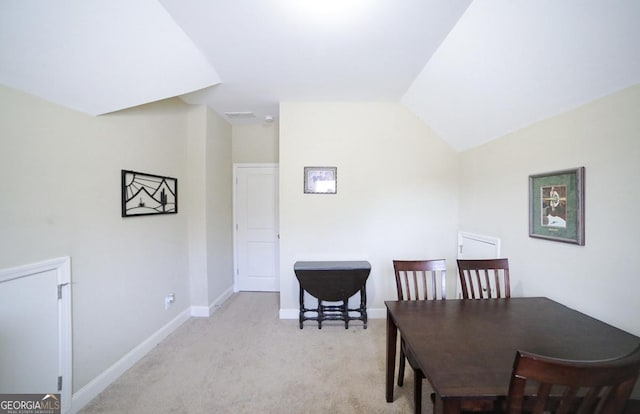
[320, 180]
[556, 206]
[148, 194]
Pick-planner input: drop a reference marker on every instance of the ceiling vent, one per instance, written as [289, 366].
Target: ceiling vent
[240, 115]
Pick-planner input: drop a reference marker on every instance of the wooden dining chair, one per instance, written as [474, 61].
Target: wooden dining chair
[418, 280]
[541, 384]
[484, 278]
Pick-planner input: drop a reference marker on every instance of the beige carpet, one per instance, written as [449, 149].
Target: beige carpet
[243, 359]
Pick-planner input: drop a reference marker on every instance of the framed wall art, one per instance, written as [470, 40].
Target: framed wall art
[320, 180]
[556, 206]
[146, 194]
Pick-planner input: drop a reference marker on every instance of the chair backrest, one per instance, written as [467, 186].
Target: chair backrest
[541, 384]
[484, 278]
[418, 279]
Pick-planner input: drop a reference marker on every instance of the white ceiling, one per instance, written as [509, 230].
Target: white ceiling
[509, 63]
[98, 56]
[473, 71]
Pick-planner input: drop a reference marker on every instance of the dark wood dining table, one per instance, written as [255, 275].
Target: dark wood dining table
[466, 347]
[333, 281]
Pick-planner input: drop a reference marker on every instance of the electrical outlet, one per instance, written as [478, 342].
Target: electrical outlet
[168, 300]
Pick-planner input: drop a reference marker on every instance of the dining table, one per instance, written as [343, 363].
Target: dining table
[466, 347]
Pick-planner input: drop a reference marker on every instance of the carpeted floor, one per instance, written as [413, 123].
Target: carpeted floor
[243, 359]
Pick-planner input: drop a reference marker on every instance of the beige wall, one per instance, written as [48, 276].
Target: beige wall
[255, 143]
[219, 207]
[210, 212]
[397, 192]
[196, 209]
[599, 278]
[60, 196]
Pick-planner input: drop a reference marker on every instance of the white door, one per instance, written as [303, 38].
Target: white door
[256, 220]
[35, 330]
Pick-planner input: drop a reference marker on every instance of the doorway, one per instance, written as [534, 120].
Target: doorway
[256, 239]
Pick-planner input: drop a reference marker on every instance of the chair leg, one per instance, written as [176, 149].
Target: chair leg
[417, 391]
[401, 363]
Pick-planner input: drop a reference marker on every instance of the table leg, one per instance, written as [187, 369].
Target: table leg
[363, 304]
[301, 306]
[345, 313]
[392, 336]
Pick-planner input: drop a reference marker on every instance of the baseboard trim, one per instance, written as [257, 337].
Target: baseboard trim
[87, 393]
[220, 300]
[289, 313]
[373, 313]
[206, 311]
[200, 311]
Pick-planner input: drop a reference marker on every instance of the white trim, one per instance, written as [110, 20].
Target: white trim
[206, 311]
[494, 241]
[289, 313]
[237, 166]
[65, 338]
[200, 311]
[87, 393]
[62, 267]
[220, 300]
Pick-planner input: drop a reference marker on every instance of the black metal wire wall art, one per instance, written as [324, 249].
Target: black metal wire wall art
[146, 194]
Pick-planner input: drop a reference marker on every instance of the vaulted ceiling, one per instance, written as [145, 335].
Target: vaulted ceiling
[472, 70]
